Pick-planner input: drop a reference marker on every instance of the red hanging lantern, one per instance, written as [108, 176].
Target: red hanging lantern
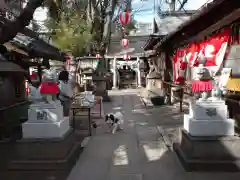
[125, 43]
[126, 57]
[98, 56]
[125, 18]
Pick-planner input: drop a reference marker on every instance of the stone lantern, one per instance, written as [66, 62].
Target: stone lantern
[100, 83]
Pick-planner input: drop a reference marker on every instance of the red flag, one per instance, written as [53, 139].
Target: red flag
[192, 54]
[178, 64]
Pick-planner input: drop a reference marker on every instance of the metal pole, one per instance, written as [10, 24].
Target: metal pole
[114, 73]
[139, 80]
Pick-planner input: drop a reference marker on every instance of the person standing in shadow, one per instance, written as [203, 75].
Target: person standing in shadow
[65, 93]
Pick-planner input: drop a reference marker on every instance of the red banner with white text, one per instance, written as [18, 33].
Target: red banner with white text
[214, 49]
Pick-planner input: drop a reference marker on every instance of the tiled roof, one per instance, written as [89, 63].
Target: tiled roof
[37, 47]
[203, 11]
[29, 41]
[136, 45]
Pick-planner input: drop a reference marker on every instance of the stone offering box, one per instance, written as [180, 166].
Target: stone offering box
[45, 120]
[208, 118]
[208, 110]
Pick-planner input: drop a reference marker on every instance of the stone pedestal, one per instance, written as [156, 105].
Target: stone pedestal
[49, 148]
[207, 140]
[45, 120]
[208, 118]
[208, 153]
[41, 159]
[101, 88]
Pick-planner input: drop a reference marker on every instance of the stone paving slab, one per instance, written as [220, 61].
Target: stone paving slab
[128, 177]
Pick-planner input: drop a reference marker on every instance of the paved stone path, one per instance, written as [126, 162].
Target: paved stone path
[139, 152]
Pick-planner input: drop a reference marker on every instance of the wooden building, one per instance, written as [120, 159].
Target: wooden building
[165, 24]
[215, 15]
[215, 25]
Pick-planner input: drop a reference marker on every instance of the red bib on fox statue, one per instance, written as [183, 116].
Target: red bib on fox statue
[49, 87]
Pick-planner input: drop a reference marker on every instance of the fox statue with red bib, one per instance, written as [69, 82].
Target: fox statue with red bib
[45, 118]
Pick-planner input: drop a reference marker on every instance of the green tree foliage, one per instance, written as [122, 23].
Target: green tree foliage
[70, 29]
[71, 33]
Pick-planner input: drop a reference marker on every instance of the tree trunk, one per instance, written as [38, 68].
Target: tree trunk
[107, 25]
[10, 29]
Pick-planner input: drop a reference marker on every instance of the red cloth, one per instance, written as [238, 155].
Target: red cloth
[180, 80]
[202, 85]
[49, 88]
[33, 76]
[183, 65]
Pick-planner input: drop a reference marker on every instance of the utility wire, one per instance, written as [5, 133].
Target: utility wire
[182, 4]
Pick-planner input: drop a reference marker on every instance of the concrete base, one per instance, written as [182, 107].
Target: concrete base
[208, 110]
[208, 153]
[114, 88]
[41, 159]
[209, 127]
[33, 130]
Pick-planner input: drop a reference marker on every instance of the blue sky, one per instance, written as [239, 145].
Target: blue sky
[145, 11]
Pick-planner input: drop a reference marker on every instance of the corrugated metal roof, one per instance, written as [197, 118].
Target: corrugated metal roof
[203, 10]
[168, 24]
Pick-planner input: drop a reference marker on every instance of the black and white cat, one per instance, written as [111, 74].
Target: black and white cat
[114, 121]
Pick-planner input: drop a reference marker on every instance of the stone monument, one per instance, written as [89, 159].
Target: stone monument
[100, 87]
[208, 117]
[49, 145]
[207, 138]
[45, 118]
[154, 93]
[207, 113]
